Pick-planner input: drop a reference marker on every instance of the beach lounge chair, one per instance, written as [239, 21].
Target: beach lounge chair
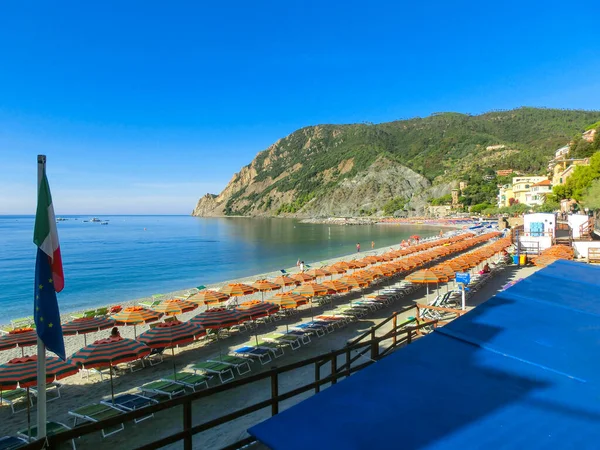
[163, 387]
[261, 354]
[150, 303]
[22, 322]
[95, 413]
[274, 348]
[131, 402]
[284, 339]
[241, 364]
[318, 331]
[303, 335]
[156, 356]
[86, 314]
[15, 396]
[101, 312]
[222, 370]
[11, 442]
[51, 429]
[189, 380]
[51, 388]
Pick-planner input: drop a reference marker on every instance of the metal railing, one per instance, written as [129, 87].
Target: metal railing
[372, 346]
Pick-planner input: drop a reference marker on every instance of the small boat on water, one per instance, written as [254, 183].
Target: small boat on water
[95, 219]
[104, 223]
[61, 219]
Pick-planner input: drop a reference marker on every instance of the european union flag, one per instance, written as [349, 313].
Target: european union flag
[46, 314]
[49, 278]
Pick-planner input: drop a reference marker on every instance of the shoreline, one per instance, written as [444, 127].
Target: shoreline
[66, 316]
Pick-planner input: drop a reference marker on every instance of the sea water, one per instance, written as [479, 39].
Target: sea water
[136, 256]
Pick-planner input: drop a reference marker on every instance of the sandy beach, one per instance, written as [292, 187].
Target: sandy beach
[78, 391]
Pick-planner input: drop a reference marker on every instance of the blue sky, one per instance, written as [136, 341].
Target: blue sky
[144, 106]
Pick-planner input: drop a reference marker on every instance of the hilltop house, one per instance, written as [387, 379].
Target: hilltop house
[564, 168]
[589, 135]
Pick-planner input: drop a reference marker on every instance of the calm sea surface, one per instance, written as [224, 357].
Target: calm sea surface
[136, 256]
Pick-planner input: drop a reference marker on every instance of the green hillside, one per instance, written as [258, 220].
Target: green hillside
[443, 147]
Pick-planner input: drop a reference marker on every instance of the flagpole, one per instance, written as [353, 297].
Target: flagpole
[41, 348]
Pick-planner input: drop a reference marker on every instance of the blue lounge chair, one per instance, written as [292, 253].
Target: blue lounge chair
[11, 442]
[261, 354]
[131, 402]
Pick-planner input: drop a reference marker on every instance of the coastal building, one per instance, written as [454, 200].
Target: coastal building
[563, 169]
[561, 152]
[521, 187]
[539, 192]
[455, 195]
[504, 195]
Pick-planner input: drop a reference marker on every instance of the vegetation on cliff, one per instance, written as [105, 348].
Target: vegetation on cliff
[297, 172]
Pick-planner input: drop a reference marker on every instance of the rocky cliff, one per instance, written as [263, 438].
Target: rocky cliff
[349, 170]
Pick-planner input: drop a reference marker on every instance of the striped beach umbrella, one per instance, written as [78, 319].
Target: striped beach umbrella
[337, 286]
[216, 318]
[312, 290]
[335, 269]
[174, 306]
[354, 281]
[256, 309]
[135, 315]
[208, 298]
[284, 280]
[237, 289]
[318, 273]
[265, 286]
[303, 277]
[22, 337]
[107, 353]
[86, 325]
[171, 334]
[22, 372]
[288, 300]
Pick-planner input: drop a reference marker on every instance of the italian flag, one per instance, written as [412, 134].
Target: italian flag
[45, 235]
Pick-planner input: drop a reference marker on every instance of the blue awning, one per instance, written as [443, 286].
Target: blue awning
[520, 371]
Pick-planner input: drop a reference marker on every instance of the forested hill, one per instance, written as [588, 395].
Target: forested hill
[352, 169]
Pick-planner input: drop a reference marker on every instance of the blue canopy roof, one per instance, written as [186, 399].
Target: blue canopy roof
[520, 371]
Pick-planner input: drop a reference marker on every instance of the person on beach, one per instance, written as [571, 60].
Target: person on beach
[372, 245]
[441, 233]
[403, 244]
[302, 266]
[358, 247]
[114, 333]
[298, 263]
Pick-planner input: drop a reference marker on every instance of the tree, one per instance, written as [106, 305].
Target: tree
[591, 198]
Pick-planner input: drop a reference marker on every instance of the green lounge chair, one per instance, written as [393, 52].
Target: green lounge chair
[284, 339]
[95, 413]
[22, 322]
[150, 303]
[241, 364]
[189, 380]
[163, 387]
[218, 368]
[101, 312]
[15, 396]
[52, 388]
[86, 314]
[51, 429]
[273, 347]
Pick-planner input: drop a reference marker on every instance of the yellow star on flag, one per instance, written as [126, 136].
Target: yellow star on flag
[41, 319]
[49, 280]
[41, 286]
[50, 325]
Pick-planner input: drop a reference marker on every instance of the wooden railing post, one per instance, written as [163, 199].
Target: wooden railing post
[374, 346]
[187, 425]
[409, 337]
[333, 368]
[394, 327]
[274, 392]
[348, 358]
[317, 377]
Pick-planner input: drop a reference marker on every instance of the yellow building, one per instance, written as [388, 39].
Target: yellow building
[521, 187]
[504, 195]
[564, 168]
